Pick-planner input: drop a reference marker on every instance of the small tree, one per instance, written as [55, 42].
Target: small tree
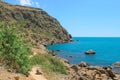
[14, 53]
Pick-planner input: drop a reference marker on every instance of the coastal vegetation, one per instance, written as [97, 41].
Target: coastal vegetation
[14, 53]
[50, 63]
[23, 28]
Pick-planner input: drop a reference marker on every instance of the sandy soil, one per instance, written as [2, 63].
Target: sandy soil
[39, 76]
[6, 74]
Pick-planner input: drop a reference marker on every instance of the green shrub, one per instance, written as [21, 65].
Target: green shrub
[13, 52]
[49, 62]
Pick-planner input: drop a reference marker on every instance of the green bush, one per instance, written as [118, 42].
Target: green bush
[49, 62]
[13, 52]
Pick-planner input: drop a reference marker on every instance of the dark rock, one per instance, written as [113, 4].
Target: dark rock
[9, 70]
[58, 50]
[27, 74]
[75, 68]
[109, 67]
[84, 64]
[85, 77]
[110, 73]
[70, 36]
[52, 42]
[45, 45]
[52, 53]
[71, 40]
[94, 67]
[71, 56]
[105, 68]
[38, 72]
[66, 61]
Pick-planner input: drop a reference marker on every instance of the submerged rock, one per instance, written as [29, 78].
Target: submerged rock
[71, 56]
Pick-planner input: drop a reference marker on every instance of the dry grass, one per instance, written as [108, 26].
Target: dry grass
[12, 7]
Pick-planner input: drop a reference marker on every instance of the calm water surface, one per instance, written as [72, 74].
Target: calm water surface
[107, 50]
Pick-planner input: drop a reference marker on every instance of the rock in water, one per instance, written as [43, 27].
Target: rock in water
[117, 64]
[90, 52]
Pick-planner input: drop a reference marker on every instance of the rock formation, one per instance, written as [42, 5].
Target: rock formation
[84, 71]
[35, 25]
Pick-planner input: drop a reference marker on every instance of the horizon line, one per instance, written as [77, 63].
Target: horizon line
[98, 36]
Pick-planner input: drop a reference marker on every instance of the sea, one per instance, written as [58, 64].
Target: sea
[107, 50]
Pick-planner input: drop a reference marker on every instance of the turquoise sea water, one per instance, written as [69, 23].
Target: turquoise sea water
[107, 50]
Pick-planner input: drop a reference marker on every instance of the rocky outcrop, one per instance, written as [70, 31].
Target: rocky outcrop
[84, 71]
[35, 25]
[83, 64]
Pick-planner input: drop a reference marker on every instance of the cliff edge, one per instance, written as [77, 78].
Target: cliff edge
[37, 26]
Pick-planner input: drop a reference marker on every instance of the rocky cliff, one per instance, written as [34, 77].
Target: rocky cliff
[35, 25]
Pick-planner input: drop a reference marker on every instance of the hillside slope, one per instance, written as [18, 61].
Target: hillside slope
[35, 25]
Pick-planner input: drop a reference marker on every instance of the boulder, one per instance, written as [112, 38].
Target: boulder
[117, 64]
[110, 73]
[83, 64]
[75, 68]
[90, 52]
[97, 68]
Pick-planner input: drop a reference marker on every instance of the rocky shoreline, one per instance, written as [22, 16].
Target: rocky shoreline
[40, 28]
[84, 71]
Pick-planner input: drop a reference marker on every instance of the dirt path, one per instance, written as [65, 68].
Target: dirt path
[37, 76]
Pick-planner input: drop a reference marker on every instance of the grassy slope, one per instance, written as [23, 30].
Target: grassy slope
[35, 27]
[35, 24]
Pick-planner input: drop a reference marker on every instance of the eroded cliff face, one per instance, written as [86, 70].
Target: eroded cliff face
[35, 25]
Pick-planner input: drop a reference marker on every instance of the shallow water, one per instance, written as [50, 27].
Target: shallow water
[107, 50]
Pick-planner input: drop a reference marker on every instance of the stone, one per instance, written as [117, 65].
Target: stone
[117, 64]
[17, 78]
[84, 64]
[90, 52]
[38, 72]
[9, 70]
[110, 73]
[75, 68]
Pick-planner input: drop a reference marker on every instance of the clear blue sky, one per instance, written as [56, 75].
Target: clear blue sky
[91, 18]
